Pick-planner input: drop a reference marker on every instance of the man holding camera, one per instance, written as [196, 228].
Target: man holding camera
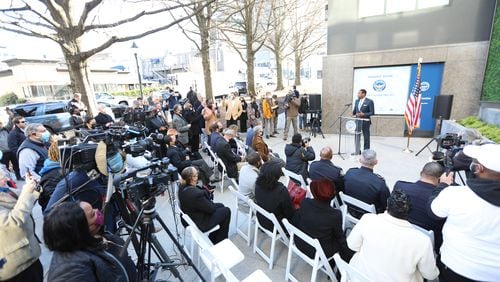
[298, 154]
[471, 233]
[292, 104]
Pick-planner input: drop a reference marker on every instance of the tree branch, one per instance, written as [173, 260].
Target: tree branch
[135, 17]
[89, 6]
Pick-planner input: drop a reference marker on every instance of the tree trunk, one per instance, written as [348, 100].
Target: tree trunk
[279, 70]
[80, 82]
[250, 73]
[298, 62]
[205, 61]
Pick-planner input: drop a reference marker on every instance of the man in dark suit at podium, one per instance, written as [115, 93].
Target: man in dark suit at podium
[363, 109]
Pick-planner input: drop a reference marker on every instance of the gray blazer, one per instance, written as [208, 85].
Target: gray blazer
[182, 127]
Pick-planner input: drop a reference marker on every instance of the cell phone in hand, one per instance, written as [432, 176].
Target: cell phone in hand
[38, 187]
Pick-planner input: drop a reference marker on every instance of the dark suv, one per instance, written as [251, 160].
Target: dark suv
[53, 115]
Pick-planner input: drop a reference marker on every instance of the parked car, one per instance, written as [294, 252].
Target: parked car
[110, 99]
[53, 115]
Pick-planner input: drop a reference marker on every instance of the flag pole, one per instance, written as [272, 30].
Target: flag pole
[407, 149]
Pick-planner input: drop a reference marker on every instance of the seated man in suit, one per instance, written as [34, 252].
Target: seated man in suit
[228, 157]
[364, 185]
[419, 194]
[325, 169]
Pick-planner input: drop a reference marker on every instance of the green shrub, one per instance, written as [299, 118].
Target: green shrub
[489, 131]
[10, 99]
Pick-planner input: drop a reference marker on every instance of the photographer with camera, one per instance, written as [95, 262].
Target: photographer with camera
[292, 104]
[19, 247]
[298, 154]
[196, 203]
[471, 233]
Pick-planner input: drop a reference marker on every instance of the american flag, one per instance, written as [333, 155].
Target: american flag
[414, 105]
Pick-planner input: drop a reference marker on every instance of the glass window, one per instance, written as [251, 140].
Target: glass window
[396, 6]
[422, 4]
[27, 110]
[368, 8]
[54, 108]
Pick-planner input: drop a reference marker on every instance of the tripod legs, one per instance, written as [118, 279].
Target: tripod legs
[426, 146]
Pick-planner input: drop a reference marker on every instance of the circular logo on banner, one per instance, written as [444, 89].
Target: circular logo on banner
[379, 85]
[425, 86]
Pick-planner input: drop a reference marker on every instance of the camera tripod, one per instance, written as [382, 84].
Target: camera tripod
[140, 225]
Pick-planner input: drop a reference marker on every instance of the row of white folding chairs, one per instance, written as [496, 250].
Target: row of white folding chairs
[218, 258]
[216, 162]
[278, 234]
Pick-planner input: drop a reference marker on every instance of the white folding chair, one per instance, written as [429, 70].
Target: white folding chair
[428, 233]
[193, 225]
[277, 234]
[223, 174]
[256, 276]
[213, 157]
[348, 272]
[297, 177]
[240, 198]
[346, 216]
[217, 258]
[319, 262]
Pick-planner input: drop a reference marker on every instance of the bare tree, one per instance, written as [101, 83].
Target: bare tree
[68, 22]
[246, 30]
[200, 30]
[309, 32]
[280, 36]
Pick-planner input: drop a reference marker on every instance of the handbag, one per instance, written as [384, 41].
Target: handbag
[297, 193]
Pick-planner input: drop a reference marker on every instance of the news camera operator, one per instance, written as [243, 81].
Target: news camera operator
[19, 247]
[298, 154]
[156, 120]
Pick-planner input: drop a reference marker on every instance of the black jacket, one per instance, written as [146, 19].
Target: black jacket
[196, 203]
[102, 119]
[325, 169]
[15, 139]
[419, 194]
[85, 266]
[275, 200]
[49, 182]
[364, 185]
[177, 157]
[321, 221]
[298, 157]
[230, 159]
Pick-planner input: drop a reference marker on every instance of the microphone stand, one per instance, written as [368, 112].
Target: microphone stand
[340, 128]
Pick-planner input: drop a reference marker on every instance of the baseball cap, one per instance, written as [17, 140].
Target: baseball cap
[488, 155]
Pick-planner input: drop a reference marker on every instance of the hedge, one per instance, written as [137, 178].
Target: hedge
[489, 131]
[11, 99]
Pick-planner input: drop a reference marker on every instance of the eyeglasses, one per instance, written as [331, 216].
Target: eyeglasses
[22, 121]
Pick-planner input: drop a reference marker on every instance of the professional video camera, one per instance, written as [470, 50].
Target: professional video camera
[452, 143]
[136, 116]
[141, 189]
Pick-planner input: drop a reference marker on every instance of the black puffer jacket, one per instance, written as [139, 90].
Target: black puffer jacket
[49, 182]
[298, 157]
[86, 266]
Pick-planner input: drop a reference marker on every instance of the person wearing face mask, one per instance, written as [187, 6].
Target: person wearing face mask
[471, 232]
[110, 242]
[32, 153]
[70, 231]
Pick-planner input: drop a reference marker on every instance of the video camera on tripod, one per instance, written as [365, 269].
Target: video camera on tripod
[452, 143]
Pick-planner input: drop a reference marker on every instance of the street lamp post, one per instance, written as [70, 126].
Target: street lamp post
[135, 48]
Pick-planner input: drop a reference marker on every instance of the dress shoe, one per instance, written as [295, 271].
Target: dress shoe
[276, 132]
